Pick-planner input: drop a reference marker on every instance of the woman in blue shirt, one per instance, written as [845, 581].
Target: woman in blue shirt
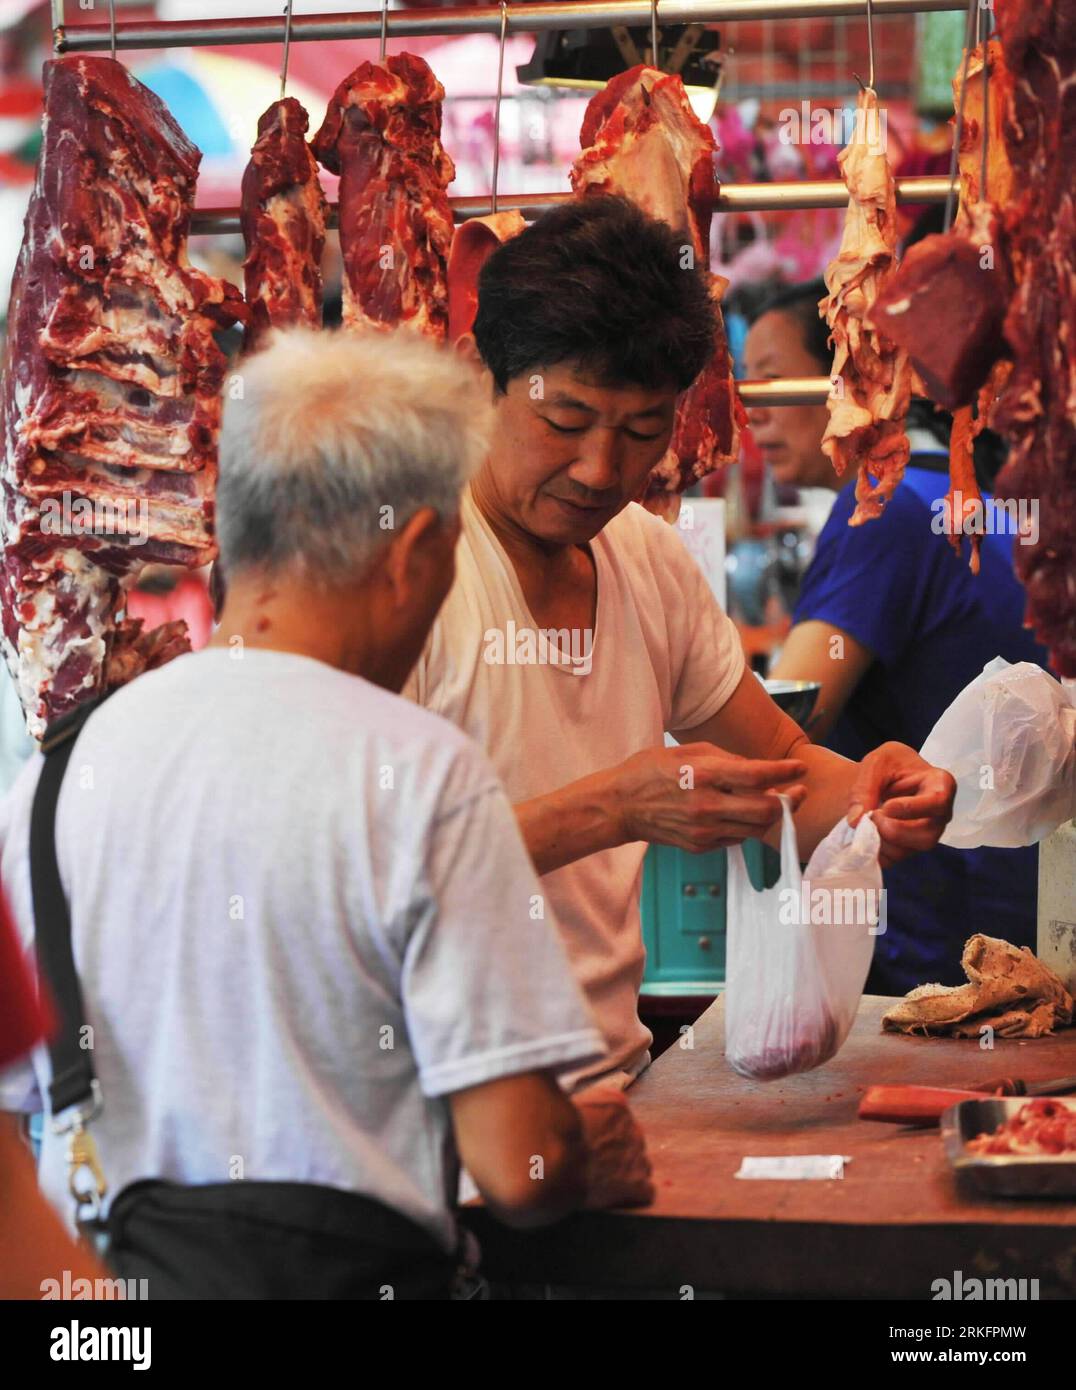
[894, 625]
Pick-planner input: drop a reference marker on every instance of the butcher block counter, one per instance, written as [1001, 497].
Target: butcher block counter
[895, 1222]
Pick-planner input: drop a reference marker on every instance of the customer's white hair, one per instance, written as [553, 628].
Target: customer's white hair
[333, 440]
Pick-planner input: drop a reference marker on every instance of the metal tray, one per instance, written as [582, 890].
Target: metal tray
[1003, 1175]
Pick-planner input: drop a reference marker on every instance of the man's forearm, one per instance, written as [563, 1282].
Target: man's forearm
[570, 823]
[829, 783]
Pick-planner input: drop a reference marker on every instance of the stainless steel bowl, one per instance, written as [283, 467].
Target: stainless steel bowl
[796, 698]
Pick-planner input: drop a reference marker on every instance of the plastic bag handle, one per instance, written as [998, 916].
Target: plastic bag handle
[790, 850]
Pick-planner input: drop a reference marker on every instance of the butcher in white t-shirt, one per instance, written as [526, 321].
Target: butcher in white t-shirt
[302, 913]
[579, 630]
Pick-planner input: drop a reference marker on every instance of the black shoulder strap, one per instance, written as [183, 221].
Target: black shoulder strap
[72, 1067]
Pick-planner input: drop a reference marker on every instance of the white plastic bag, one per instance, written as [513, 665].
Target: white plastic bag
[1009, 739]
[799, 952]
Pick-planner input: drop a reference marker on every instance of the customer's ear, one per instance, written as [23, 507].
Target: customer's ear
[421, 556]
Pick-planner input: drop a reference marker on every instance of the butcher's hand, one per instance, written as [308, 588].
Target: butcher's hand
[698, 797]
[911, 800]
[618, 1170]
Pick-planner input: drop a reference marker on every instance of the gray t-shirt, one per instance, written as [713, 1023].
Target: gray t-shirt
[303, 915]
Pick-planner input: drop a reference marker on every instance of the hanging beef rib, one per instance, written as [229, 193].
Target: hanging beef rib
[641, 139]
[283, 215]
[111, 387]
[382, 135]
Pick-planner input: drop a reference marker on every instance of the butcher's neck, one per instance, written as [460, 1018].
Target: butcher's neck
[324, 624]
[558, 581]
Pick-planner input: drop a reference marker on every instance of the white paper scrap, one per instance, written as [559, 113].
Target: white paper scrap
[786, 1166]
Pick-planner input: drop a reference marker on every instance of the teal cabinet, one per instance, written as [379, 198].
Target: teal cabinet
[684, 902]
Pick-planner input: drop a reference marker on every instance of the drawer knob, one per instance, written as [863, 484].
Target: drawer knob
[704, 943]
[689, 890]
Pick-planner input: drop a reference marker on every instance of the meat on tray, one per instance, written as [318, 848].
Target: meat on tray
[1038, 1128]
[283, 216]
[641, 139]
[382, 135]
[1037, 410]
[111, 391]
[868, 404]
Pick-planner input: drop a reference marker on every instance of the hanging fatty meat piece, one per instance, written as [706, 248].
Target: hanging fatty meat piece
[473, 244]
[1037, 411]
[382, 135]
[111, 390]
[283, 216]
[873, 380]
[947, 303]
[642, 140]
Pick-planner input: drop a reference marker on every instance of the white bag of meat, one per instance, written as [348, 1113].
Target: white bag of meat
[799, 952]
[1009, 740]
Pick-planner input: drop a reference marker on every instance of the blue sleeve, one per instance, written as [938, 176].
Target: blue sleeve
[870, 581]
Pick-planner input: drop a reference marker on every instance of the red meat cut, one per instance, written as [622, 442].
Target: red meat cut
[283, 217]
[111, 389]
[382, 135]
[642, 140]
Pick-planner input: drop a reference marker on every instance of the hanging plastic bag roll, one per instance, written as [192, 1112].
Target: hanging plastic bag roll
[799, 952]
[1009, 740]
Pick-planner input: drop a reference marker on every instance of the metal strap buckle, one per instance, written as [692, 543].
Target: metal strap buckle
[85, 1177]
[76, 1117]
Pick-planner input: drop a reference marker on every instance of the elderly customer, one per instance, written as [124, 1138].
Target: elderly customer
[301, 907]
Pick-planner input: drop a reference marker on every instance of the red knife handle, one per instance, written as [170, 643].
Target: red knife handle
[910, 1105]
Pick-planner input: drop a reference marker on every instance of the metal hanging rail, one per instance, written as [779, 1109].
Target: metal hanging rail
[734, 197]
[792, 390]
[469, 19]
[530, 18]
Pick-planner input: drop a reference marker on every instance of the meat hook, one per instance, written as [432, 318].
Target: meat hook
[497, 109]
[112, 25]
[654, 60]
[287, 48]
[384, 28]
[870, 41]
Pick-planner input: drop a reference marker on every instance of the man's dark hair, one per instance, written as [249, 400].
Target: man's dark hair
[599, 283]
[800, 302]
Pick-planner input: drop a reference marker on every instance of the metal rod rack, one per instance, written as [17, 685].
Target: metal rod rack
[469, 19]
[734, 197]
[531, 18]
[798, 390]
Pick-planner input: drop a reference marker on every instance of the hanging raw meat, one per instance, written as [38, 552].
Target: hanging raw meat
[111, 392]
[641, 139]
[475, 241]
[946, 304]
[1038, 408]
[283, 216]
[869, 402]
[382, 135]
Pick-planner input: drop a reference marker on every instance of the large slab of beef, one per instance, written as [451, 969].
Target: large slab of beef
[641, 139]
[382, 135]
[1037, 410]
[283, 217]
[111, 386]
